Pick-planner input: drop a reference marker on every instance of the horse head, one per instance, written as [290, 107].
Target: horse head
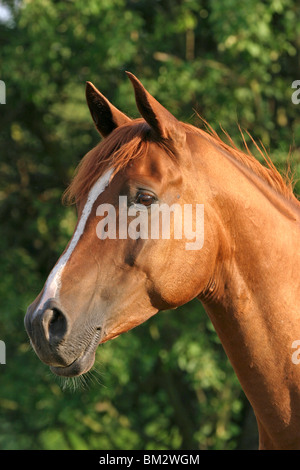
[114, 275]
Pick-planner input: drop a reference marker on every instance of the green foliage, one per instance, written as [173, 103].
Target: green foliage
[167, 384]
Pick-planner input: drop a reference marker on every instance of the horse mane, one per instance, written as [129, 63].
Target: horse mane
[130, 142]
[283, 184]
[127, 143]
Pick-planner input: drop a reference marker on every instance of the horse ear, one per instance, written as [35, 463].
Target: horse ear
[106, 116]
[159, 118]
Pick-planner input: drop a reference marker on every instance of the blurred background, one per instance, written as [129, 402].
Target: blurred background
[168, 383]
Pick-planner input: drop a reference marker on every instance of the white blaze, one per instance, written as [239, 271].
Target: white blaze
[54, 280]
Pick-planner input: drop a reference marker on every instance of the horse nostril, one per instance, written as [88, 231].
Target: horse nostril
[55, 324]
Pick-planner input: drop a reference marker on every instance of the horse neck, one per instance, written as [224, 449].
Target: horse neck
[254, 302]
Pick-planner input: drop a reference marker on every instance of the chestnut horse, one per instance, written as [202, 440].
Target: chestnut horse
[246, 274]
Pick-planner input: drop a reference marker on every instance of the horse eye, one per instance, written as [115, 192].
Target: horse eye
[145, 199]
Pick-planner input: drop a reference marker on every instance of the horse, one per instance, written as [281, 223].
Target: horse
[245, 273]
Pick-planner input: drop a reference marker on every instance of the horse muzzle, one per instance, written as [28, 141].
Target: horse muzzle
[50, 332]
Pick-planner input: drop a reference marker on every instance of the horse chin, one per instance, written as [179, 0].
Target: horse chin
[80, 366]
